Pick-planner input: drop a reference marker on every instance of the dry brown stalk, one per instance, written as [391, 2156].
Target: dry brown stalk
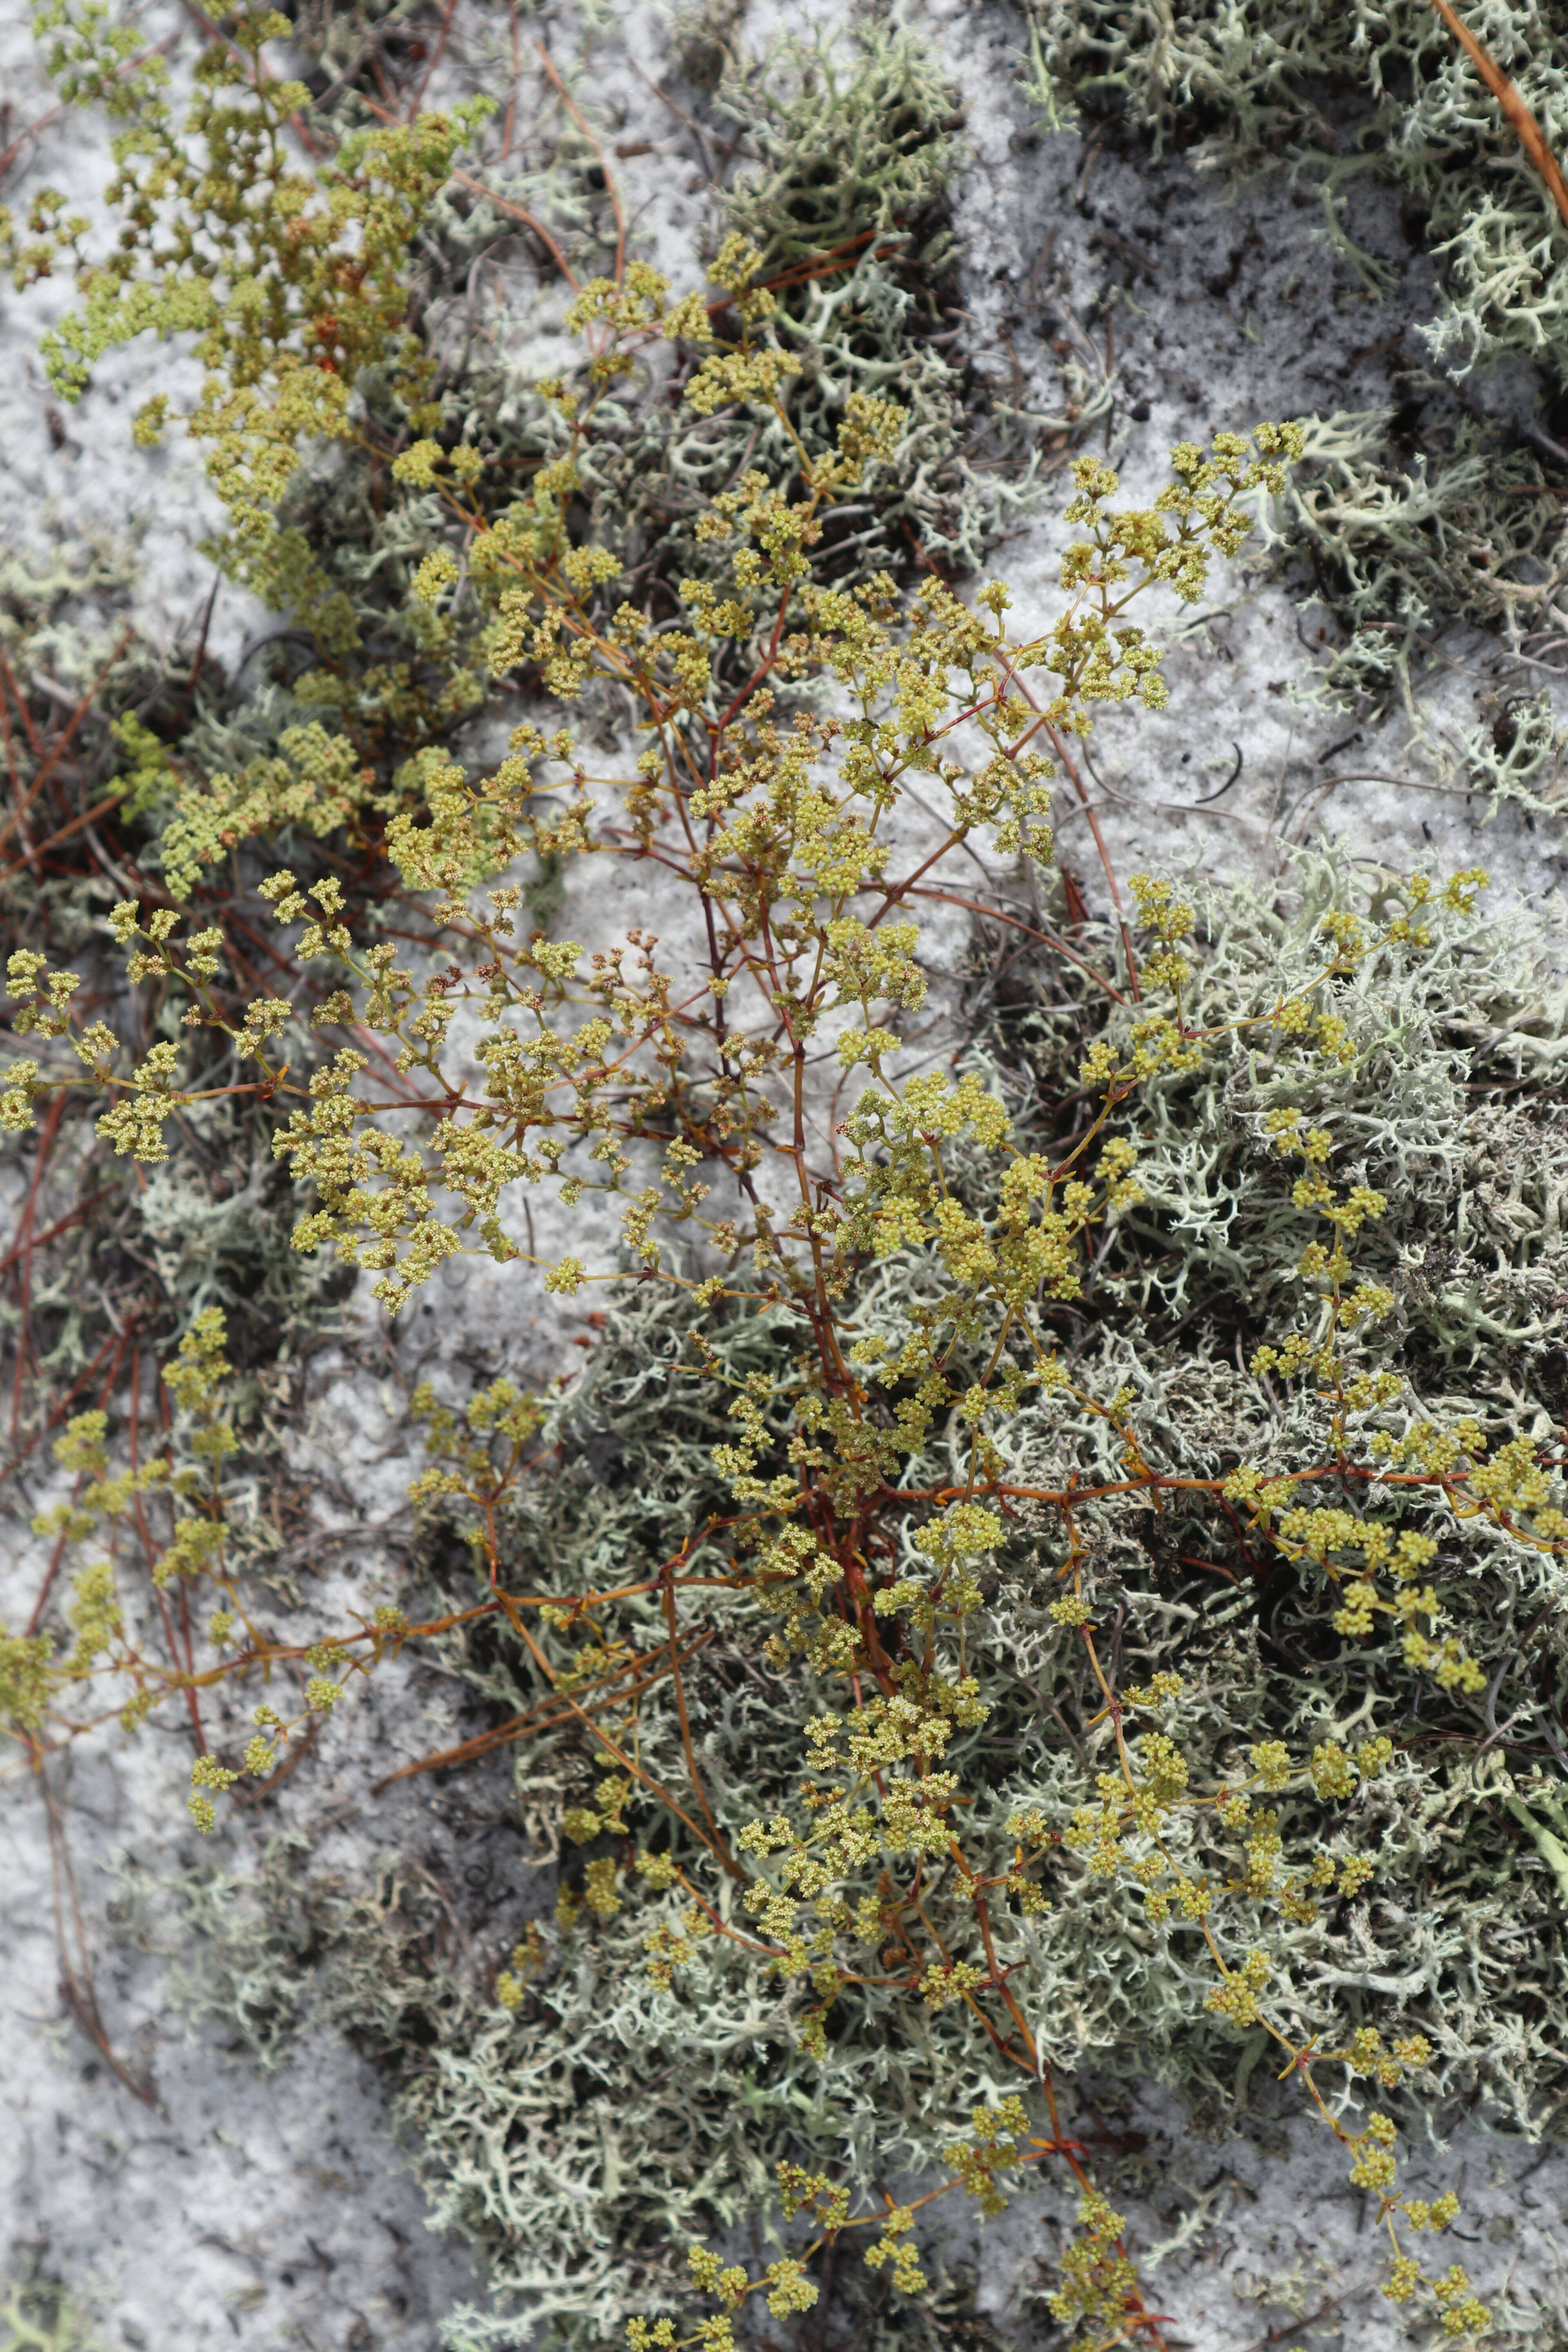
[1532, 137]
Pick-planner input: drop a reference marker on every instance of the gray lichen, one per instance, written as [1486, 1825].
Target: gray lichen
[1451, 515]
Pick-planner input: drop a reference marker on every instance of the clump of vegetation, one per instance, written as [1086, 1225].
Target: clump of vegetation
[1445, 515]
[522, 2103]
[291, 282]
[849, 206]
[376, 447]
[1056, 1553]
[310, 744]
[1352, 93]
[861, 1496]
[324, 305]
[1402, 545]
[286, 1951]
[107, 1263]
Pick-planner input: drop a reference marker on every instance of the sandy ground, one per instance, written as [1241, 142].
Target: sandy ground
[228, 2209]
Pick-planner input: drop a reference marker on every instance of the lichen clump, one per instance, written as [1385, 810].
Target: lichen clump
[1440, 509]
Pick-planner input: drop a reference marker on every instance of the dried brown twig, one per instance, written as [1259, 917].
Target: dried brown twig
[1532, 137]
